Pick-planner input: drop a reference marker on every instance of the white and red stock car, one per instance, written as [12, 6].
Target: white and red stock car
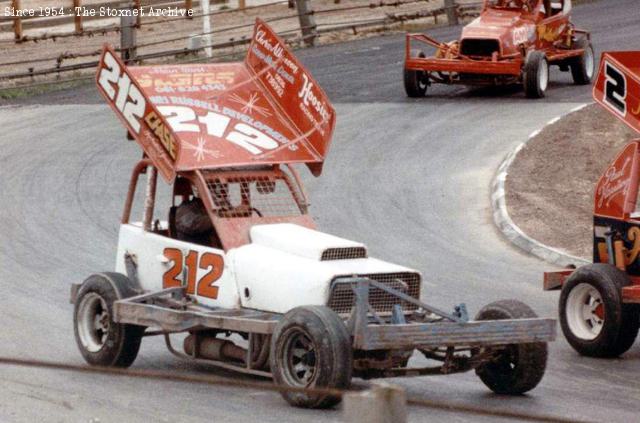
[238, 265]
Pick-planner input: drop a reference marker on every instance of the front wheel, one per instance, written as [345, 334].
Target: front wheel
[416, 82]
[516, 368]
[311, 348]
[103, 342]
[593, 317]
[536, 75]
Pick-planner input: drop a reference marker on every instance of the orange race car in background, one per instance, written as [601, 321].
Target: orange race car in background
[512, 42]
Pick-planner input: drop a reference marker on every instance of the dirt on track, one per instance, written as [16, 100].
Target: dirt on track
[549, 189]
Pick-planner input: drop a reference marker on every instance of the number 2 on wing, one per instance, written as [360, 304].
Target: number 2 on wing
[615, 89]
[128, 98]
[212, 263]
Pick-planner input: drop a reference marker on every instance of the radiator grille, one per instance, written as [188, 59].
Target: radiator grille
[343, 253]
[342, 297]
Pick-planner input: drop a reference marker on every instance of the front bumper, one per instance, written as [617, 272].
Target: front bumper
[477, 67]
[452, 334]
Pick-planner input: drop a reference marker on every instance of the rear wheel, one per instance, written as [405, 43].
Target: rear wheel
[416, 82]
[536, 75]
[101, 341]
[517, 368]
[593, 317]
[310, 347]
[583, 67]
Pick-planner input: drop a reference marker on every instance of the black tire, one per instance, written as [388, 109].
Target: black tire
[613, 325]
[113, 344]
[519, 367]
[416, 82]
[535, 75]
[583, 67]
[320, 332]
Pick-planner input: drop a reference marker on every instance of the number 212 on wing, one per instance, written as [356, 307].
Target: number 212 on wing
[126, 96]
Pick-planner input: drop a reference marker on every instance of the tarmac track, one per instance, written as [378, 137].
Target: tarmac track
[409, 178]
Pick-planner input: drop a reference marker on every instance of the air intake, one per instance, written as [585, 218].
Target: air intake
[343, 253]
[481, 48]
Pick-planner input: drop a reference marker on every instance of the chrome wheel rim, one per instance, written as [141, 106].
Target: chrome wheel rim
[543, 75]
[589, 62]
[93, 322]
[585, 312]
[423, 81]
[300, 359]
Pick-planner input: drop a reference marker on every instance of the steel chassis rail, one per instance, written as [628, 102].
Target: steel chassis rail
[171, 311]
[450, 330]
[503, 66]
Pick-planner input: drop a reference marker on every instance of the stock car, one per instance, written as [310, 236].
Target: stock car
[238, 271]
[511, 42]
[599, 305]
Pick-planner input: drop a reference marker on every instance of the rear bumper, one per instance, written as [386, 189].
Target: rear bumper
[432, 64]
[556, 280]
[450, 334]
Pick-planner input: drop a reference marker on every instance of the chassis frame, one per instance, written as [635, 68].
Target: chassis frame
[508, 67]
[440, 336]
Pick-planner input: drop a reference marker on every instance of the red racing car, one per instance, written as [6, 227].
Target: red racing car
[512, 42]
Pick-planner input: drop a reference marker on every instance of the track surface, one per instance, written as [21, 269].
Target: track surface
[409, 178]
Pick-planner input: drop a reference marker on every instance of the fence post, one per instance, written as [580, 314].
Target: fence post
[128, 37]
[138, 5]
[383, 403]
[452, 13]
[307, 22]
[17, 21]
[206, 27]
[78, 16]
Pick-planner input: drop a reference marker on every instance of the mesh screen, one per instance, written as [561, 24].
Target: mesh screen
[342, 297]
[265, 195]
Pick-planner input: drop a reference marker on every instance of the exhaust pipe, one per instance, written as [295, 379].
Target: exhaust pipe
[211, 348]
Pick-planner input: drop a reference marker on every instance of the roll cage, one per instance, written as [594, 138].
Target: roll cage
[540, 7]
[234, 199]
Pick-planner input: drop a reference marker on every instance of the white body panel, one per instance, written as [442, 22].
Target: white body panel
[279, 281]
[148, 249]
[295, 239]
[279, 270]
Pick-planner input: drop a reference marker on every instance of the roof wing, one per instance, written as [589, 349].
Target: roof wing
[618, 86]
[137, 113]
[266, 110]
[293, 89]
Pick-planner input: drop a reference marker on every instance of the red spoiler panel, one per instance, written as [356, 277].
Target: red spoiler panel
[293, 89]
[138, 114]
[618, 86]
[267, 110]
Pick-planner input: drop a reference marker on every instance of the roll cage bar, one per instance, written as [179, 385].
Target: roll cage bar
[233, 231]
